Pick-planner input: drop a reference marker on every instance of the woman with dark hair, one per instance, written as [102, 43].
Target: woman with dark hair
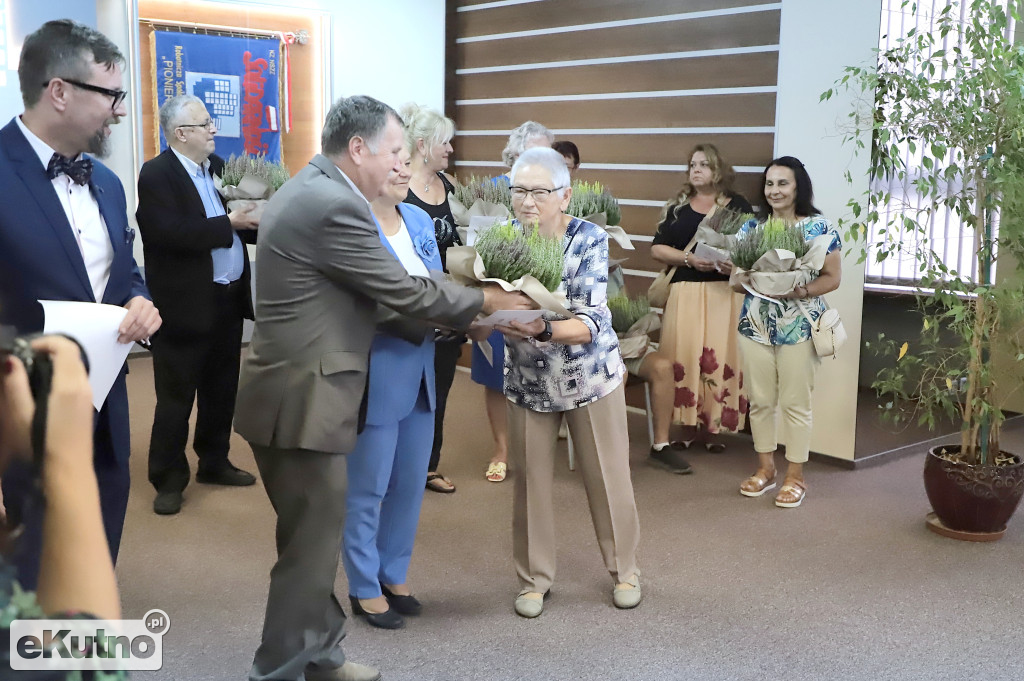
[428, 135]
[779, 360]
[699, 328]
[571, 153]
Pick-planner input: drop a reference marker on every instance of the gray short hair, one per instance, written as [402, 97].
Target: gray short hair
[172, 111]
[546, 158]
[62, 49]
[520, 136]
[358, 116]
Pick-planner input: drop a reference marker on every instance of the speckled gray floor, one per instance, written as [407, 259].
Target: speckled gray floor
[850, 586]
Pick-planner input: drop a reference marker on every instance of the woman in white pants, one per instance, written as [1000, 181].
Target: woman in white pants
[779, 361]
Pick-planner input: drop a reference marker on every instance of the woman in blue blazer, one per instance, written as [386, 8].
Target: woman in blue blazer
[389, 463]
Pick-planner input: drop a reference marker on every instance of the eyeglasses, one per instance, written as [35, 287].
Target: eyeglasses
[118, 95]
[538, 194]
[209, 125]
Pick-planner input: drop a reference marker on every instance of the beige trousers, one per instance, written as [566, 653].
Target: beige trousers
[602, 448]
[780, 376]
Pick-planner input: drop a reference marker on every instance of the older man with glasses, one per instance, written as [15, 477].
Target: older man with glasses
[198, 271]
[64, 235]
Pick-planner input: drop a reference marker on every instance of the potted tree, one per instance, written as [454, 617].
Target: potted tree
[944, 111]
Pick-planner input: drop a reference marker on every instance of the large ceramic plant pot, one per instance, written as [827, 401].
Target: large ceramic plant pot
[971, 502]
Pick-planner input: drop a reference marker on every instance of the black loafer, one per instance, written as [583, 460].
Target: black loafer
[228, 475]
[403, 605]
[383, 620]
[670, 458]
[167, 503]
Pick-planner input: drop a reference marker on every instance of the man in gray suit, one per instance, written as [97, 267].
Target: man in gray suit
[320, 273]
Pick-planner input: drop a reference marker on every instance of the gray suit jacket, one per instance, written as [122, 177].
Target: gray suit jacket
[320, 272]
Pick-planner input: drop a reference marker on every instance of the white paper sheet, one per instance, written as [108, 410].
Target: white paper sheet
[711, 253]
[94, 326]
[503, 317]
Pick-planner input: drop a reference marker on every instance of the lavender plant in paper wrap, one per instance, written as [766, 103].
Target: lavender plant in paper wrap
[720, 229]
[634, 322]
[591, 201]
[773, 258]
[481, 200]
[250, 179]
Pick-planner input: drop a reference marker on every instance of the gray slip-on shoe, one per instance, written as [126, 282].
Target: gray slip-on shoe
[529, 607]
[629, 597]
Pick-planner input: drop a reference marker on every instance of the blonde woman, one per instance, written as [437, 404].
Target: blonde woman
[428, 134]
[699, 328]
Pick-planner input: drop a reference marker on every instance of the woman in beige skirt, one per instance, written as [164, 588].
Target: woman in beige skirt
[699, 326]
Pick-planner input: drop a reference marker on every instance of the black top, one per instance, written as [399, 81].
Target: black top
[677, 233]
[444, 221]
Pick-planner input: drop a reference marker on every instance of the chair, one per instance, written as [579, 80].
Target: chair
[630, 381]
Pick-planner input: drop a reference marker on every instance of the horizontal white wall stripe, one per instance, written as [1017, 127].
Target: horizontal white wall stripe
[492, 5]
[640, 273]
[747, 90]
[753, 130]
[597, 61]
[641, 21]
[641, 202]
[618, 166]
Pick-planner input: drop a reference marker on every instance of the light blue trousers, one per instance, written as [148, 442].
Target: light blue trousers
[387, 473]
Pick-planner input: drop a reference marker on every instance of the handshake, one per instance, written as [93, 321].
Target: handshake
[497, 298]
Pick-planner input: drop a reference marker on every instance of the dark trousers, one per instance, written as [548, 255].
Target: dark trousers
[304, 622]
[201, 369]
[446, 357]
[110, 461]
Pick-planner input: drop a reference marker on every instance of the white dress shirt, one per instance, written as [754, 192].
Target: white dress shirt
[83, 213]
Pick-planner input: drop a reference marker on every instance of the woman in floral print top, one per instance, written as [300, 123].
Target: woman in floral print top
[570, 367]
[76, 574]
[779, 361]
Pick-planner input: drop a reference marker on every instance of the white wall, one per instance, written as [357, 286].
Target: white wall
[818, 38]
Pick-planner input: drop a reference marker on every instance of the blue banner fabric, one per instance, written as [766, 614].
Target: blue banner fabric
[235, 77]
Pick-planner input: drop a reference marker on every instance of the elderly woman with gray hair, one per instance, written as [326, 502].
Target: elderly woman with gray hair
[491, 375]
[570, 367]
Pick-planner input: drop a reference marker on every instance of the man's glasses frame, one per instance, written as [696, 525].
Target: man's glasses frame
[210, 125]
[538, 194]
[117, 95]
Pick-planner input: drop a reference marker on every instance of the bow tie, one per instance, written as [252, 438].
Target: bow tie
[79, 171]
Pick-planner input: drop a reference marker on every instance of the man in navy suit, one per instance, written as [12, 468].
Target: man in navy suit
[198, 271]
[64, 235]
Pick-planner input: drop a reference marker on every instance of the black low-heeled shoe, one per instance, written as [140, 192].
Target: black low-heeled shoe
[383, 620]
[404, 605]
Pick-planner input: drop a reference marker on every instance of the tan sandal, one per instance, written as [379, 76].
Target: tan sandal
[496, 471]
[791, 494]
[758, 483]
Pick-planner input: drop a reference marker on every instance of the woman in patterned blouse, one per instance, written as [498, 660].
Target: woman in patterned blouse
[569, 367]
[779, 361]
[76, 574]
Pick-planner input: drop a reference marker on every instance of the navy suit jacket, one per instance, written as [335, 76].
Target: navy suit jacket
[40, 258]
[399, 367]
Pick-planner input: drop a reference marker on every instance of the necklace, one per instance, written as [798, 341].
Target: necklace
[430, 181]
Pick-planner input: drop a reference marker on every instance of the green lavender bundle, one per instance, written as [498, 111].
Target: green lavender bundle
[627, 311]
[237, 167]
[728, 221]
[483, 188]
[510, 251]
[593, 197]
[773, 233]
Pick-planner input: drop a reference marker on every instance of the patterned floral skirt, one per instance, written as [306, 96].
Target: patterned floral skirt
[699, 334]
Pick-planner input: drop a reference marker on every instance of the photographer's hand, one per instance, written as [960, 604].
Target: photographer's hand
[76, 572]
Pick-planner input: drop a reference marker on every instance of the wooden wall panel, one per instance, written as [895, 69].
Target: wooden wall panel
[748, 110]
[737, 149]
[303, 141]
[716, 32]
[557, 13]
[696, 73]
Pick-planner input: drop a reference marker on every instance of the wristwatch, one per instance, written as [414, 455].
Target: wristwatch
[545, 335]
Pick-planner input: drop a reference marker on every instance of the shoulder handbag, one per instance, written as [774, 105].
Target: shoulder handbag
[827, 333]
[657, 294]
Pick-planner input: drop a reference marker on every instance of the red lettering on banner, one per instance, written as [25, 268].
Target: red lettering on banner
[252, 106]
